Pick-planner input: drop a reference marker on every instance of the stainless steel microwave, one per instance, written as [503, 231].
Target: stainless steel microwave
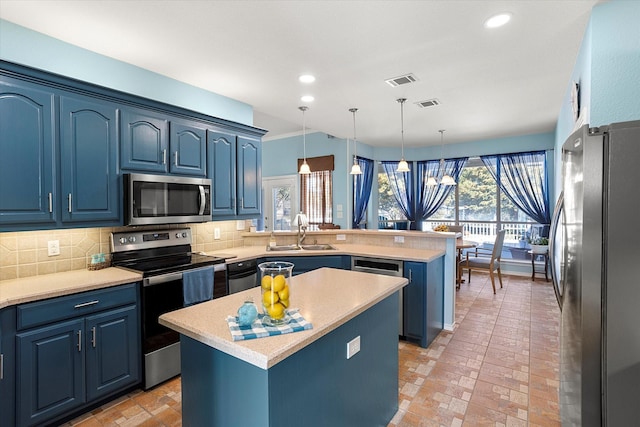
[165, 199]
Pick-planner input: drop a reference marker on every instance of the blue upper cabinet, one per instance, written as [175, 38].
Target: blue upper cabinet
[249, 174]
[89, 169]
[144, 142]
[27, 164]
[188, 145]
[155, 143]
[234, 165]
[222, 171]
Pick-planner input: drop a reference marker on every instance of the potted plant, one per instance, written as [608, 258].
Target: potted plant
[539, 245]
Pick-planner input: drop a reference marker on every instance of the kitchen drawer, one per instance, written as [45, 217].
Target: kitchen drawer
[55, 309]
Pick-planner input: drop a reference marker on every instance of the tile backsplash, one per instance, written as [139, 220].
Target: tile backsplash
[25, 253]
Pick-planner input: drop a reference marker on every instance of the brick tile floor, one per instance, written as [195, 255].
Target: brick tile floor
[499, 367]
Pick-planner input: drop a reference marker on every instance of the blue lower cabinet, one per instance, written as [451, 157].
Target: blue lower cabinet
[7, 367]
[303, 264]
[50, 372]
[71, 363]
[423, 303]
[112, 357]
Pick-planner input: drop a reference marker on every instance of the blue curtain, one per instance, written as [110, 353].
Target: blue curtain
[402, 186]
[361, 191]
[523, 179]
[430, 198]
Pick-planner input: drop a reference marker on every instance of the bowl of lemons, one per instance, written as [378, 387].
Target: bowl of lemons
[275, 279]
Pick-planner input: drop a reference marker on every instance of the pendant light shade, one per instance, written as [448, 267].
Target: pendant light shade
[432, 181]
[304, 167]
[403, 166]
[446, 178]
[355, 169]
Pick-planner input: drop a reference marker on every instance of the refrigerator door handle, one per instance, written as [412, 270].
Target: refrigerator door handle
[555, 223]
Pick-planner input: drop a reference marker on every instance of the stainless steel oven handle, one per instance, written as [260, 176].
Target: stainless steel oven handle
[203, 199]
[164, 278]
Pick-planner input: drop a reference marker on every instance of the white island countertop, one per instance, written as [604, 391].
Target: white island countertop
[326, 297]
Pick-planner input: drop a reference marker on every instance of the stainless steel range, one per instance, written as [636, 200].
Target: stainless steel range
[165, 258]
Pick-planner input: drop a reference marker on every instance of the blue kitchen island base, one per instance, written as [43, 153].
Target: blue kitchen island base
[315, 386]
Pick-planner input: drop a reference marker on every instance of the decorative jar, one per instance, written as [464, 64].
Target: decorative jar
[275, 277]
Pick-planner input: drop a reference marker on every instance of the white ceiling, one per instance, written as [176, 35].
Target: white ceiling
[490, 83]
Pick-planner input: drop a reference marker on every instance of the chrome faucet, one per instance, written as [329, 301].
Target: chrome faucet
[302, 222]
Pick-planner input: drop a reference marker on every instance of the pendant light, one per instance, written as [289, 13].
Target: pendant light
[403, 166]
[304, 167]
[446, 178]
[355, 169]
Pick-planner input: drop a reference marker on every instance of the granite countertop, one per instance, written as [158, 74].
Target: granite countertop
[321, 295]
[385, 252]
[18, 291]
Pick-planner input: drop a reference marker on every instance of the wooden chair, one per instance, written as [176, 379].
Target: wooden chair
[485, 261]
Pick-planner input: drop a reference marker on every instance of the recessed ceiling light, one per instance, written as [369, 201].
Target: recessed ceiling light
[497, 20]
[307, 98]
[307, 78]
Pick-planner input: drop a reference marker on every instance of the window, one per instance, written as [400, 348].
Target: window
[316, 191]
[390, 215]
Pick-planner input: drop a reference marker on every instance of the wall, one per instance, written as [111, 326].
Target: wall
[24, 254]
[279, 157]
[23, 46]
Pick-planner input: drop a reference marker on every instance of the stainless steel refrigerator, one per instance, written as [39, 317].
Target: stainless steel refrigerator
[595, 263]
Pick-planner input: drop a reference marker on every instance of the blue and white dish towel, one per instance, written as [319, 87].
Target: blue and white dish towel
[197, 285]
[258, 329]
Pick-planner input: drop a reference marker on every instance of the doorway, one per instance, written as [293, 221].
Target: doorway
[280, 202]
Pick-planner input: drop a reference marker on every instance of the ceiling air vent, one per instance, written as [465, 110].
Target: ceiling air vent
[402, 80]
[428, 103]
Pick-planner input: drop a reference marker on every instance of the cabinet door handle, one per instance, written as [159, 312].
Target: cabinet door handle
[241, 202]
[1, 366]
[164, 157]
[84, 304]
[50, 203]
[93, 337]
[79, 340]
[410, 276]
[233, 203]
[175, 158]
[69, 199]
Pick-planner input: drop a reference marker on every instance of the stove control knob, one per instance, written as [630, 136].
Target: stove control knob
[123, 240]
[184, 234]
[132, 239]
[177, 235]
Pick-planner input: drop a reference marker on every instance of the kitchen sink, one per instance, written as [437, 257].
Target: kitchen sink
[318, 247]
[283, 248]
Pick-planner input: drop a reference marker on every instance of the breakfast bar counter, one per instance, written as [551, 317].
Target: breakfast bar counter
[300, 378]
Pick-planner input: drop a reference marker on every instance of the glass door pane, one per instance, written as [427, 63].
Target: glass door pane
[280, 202]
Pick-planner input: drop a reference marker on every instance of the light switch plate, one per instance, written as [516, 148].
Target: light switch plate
[240, 225]
[341, 237]
[398, 239]
[216, 233]
[353, 347]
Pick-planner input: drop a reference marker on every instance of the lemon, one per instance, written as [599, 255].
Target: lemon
[266, 282]
[284, 292]
[276, 311]
[269, 298]
[285, 302]
[279, 282]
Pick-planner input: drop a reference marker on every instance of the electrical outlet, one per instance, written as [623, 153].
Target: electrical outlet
[398, 239]
[341, 237]
[339, 214]
[216, 234]
[353, 347]
[53, 247]
[240, 225]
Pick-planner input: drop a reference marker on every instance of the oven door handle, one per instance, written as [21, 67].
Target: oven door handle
[164, 278]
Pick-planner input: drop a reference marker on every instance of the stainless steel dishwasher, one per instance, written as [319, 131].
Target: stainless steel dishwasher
[386, 267]
[242, 275]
